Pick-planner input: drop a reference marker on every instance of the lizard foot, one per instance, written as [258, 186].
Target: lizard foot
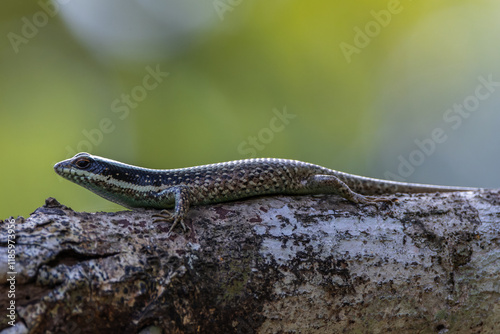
[373, 200]
[166, 216]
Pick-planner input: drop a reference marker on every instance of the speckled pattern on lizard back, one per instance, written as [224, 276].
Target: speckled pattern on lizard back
[137, 187]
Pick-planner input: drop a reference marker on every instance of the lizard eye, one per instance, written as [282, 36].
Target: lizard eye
[82, 162]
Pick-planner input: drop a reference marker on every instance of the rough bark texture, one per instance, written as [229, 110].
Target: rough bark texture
[426, 264]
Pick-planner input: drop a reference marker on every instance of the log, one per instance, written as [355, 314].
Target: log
[286, 264]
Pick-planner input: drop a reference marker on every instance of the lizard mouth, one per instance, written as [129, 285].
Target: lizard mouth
[62, 169]
[69, 173]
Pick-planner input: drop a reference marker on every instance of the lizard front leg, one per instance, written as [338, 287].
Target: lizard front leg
[182, 197]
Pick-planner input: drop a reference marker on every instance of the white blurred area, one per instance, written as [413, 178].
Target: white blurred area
[443, 75]
[138, 30]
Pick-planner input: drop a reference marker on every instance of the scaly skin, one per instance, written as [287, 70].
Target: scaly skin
[137, 187]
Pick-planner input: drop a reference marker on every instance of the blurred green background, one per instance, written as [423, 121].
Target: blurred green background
[391, 89]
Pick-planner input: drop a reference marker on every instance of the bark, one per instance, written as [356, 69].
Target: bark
[426, 264]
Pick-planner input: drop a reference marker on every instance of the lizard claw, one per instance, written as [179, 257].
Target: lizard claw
[163, 216]
[166, 216]
[373, 199]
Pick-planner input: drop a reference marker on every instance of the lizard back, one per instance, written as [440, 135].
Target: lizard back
[133, 186]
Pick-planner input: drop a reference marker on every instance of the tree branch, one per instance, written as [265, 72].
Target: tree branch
[267, 265]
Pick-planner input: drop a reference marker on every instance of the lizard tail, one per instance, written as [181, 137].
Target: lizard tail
[372, 186]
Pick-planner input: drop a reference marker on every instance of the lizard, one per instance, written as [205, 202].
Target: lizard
[137, 187]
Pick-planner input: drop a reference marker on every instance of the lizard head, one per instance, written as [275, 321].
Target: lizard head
[107, 178]
[80, 169]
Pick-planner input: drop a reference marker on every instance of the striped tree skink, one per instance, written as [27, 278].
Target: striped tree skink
[137, 187]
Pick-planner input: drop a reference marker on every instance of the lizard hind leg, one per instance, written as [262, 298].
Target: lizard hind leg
[329, 184]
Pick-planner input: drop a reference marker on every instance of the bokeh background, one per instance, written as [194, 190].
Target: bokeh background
[406, 90]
